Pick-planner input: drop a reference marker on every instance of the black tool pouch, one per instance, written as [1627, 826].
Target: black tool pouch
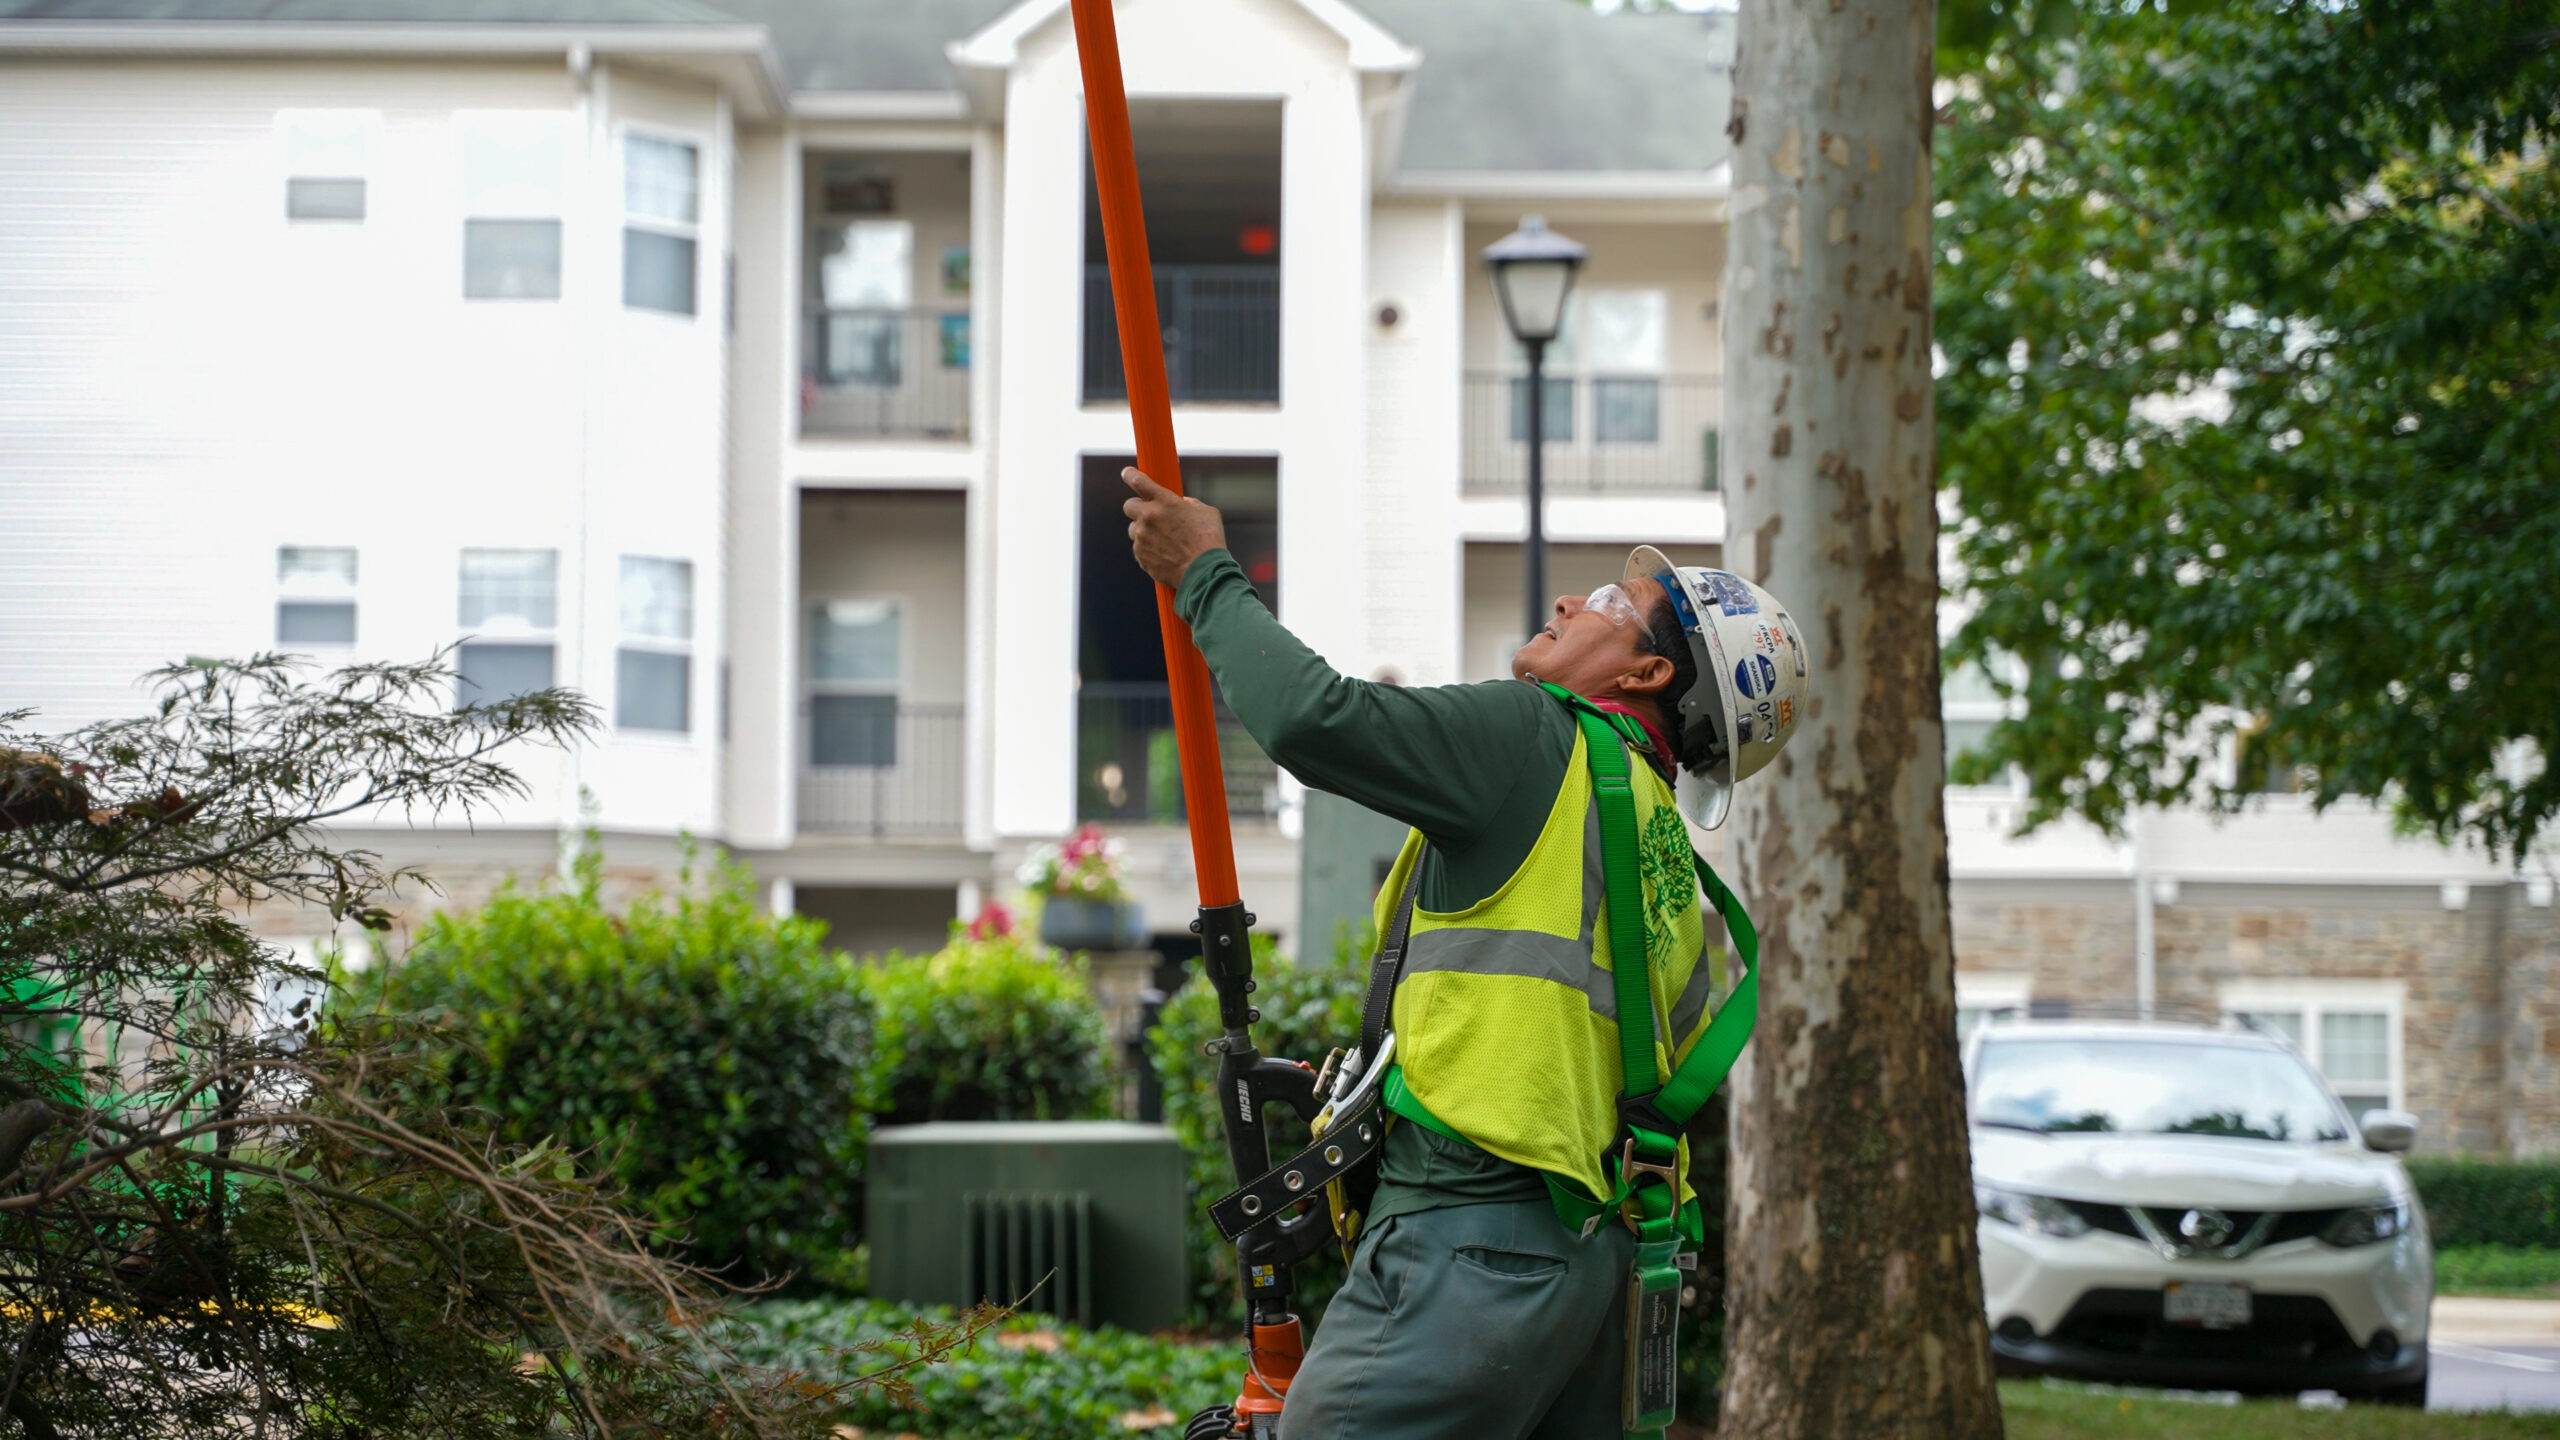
[1342, 1160]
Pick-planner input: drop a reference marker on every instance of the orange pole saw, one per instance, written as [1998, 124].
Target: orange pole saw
[1248, 1081]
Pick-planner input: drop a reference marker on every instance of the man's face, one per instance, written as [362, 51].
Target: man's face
[1597, 651]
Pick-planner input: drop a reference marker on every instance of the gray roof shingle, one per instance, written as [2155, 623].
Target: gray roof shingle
[1547, 85]
[396, 12]
[1506, 86]
[870, 44]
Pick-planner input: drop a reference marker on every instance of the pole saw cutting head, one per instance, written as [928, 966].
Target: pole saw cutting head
[1751, 677]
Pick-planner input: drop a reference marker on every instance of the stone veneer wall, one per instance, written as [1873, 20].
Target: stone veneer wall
[2480, 1037]
[2530, 1023]
[2073, 937]
[2449, 960]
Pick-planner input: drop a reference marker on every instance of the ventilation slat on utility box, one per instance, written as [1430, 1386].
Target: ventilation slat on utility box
[1034, 1249]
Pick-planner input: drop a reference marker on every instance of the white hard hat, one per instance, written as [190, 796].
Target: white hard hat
[1751, 675]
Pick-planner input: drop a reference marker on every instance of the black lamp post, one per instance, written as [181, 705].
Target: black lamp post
[1533, 269]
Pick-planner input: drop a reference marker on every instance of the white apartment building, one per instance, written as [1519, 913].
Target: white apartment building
[747, 365]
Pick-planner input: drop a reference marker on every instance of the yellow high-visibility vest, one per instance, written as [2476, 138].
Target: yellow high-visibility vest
[1506, 1017]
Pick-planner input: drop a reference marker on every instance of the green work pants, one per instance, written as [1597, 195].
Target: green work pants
[1487, 1321]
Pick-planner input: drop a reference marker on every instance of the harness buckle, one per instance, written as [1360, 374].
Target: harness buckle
[1631, 1166]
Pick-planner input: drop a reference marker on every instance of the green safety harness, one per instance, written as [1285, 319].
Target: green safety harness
[1644, 1163]
[1653, 1112]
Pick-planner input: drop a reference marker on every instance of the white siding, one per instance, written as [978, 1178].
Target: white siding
[192, 380]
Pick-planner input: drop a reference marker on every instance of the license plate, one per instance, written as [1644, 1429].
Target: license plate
[2213, 1306]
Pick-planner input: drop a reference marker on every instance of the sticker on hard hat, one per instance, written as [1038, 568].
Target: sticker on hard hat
[1794, 639]
[1728, 592]
[1755, 676]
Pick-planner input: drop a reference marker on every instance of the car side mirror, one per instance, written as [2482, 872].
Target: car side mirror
[2389, 1131]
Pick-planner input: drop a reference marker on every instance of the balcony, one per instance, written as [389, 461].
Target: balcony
[1221, 334]
[1606, 434]
[1128, 770]
[868, 373]
[885, 770]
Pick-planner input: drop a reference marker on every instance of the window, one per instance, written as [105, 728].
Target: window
[514, 181]
[510, 601]
[1624, 336]
[1557, 422]
[2348, 1029]
[1981, 994]
[855, 663]
[866, 281]
[661, 201]
[1970, 705]
[315, 595]
[1626, 411]
[653, 669]
[326, 156]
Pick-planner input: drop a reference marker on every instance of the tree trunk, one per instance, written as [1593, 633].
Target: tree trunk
[1855, 1301]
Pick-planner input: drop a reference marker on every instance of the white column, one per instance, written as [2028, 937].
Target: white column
[762, 580]
[1032, 710]
[986, 342]
[1324, 215]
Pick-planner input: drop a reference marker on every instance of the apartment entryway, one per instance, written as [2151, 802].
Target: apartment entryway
[1210, 175]
[1127, 771]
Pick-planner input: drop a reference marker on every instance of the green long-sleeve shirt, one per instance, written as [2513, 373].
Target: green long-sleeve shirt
[1475, 768]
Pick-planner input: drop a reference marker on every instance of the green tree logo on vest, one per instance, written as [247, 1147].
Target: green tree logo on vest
[1670, 883]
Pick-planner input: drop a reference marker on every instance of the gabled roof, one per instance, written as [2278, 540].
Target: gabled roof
[393, 12]
[1553, 87]
[1537, 88]
[1372, 48]
[870, 45]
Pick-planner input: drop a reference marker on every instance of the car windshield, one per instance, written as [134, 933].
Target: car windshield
[2150, 1087]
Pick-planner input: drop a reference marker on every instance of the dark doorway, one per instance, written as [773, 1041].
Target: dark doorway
[1126, 762]
[1209, 175]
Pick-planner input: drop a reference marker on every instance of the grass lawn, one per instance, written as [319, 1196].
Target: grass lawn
[2498, 1270]
[2037, 1411]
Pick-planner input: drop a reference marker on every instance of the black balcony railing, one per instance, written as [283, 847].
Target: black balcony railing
[881, 769]
[1221, 334]
[1605, 433]
[1128, 769]
[885, 372]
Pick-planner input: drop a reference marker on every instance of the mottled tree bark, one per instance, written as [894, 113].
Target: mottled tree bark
[1854, 1299]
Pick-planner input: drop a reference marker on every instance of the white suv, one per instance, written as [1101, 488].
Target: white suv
[2192, 1207]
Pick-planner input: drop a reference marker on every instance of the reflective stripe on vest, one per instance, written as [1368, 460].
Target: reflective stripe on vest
[1506, 1018]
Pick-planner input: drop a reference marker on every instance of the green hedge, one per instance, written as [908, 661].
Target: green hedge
[985, 1030]
[2497, 1270]
[714, 1054]
[727, 1064]
[2490, 1202]
[1028, 1381]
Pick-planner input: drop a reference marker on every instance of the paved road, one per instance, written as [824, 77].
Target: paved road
[2492, 1377]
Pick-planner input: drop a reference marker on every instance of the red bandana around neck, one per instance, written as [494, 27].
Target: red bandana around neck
[1661, 756]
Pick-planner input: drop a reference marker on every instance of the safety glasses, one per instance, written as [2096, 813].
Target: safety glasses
[1614, 602]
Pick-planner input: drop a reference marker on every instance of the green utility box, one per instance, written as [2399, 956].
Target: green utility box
[1083, 1216]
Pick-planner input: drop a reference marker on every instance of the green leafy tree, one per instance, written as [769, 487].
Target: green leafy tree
[218, 1216]
[2251, 404]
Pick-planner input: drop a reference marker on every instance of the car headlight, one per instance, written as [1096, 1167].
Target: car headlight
[2369, 1225]
[2042, 1214]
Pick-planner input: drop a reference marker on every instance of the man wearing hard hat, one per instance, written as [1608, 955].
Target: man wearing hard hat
[1518, 1260]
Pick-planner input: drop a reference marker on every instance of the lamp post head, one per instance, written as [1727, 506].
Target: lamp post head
[1533, 269]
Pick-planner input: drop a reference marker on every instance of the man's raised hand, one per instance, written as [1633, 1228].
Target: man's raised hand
[1168, 531]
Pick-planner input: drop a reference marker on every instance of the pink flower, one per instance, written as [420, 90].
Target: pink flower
[994, 922]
